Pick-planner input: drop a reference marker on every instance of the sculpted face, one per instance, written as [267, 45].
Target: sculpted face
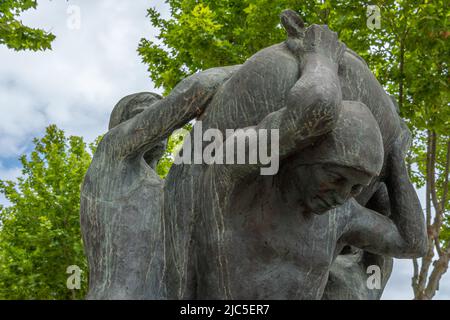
[337, 166]
[326, 186]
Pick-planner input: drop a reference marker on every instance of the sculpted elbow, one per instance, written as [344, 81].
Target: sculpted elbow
[422, 248]
[417, 249]
[421, 245]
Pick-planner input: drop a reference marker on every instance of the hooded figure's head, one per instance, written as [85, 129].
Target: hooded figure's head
[132, 105]
[342, 163]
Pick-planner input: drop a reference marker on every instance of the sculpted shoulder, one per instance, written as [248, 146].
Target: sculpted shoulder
[256, 89]
[110, 180]
[358, 83]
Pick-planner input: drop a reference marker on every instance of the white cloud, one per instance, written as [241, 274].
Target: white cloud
[76, 84]
[21, 116]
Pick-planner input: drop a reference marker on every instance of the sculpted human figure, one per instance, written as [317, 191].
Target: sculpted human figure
[276, 237]
[121, 197]
[264, 238]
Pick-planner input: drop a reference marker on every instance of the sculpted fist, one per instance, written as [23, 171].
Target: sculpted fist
[395, 163]
[316, 40]
[402, 143]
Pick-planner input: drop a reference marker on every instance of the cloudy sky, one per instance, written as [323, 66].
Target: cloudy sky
[76, 85]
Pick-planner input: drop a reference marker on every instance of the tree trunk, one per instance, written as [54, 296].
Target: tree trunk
[425, 283]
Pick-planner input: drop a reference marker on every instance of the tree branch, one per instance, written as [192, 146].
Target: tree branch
[415, 278]
[446, 178]
[440, 267]
[432, 174]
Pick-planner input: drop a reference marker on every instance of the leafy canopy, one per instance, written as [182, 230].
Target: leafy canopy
[17, 36]
[40, 231]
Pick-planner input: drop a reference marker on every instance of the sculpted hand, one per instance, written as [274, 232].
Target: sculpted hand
[316, 40]
[395, 166]
[402, 143]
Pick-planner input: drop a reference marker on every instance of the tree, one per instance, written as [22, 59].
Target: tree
[40, 231]
[14, 34]
[174, 144]
[417, 74]
[408, 54]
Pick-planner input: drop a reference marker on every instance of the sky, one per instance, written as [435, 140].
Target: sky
[75, 86]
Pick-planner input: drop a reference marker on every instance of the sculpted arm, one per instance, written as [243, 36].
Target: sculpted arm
[313, 104]
[185, 102]
[403, 235]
